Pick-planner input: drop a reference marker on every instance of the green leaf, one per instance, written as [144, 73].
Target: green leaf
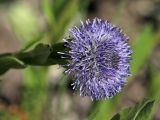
[141, 111]
[41, 55]
[37, 56]
[8, 61]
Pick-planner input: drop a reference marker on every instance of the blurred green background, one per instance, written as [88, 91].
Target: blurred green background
[44, 93]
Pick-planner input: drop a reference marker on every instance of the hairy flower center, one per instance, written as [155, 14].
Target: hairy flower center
[112, 60]
[101, 58]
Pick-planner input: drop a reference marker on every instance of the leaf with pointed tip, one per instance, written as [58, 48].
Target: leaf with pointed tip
[141, 111]
[41, 55]
[37, 56]
[7, 62]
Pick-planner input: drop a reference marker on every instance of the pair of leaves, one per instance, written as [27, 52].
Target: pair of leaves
[141, 111]
[9, 61]
[37, 56]
[41, 55]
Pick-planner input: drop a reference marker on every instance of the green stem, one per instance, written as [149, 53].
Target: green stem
[41, 55]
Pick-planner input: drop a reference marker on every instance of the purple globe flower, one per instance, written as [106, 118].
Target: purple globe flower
[99, 58]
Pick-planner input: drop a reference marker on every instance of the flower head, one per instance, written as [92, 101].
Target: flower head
[99, 58]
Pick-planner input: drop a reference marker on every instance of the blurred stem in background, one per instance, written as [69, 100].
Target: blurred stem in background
[59, 14]
[33, 92]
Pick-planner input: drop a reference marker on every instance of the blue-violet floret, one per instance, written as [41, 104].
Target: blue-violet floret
[99, 58]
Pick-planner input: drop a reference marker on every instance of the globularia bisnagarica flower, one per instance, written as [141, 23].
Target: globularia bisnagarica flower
[99, 58]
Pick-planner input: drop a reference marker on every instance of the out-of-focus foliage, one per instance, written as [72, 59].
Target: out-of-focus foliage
[24, 21]
[6, 1]
[140, 51]
[59, 14]
[33, 92]
[153, 85]
[141, 111]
